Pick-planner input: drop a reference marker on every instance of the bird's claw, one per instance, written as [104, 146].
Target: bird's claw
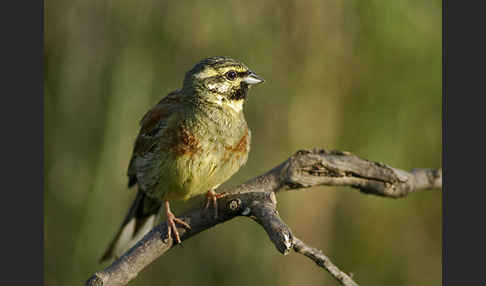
[171, 226]
[212, 196]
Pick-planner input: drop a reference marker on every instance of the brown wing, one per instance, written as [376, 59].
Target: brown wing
[150, 126]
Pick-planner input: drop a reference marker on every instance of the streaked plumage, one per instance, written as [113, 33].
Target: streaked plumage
[192, 141]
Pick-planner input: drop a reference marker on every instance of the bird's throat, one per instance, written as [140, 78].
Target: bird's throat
[236, 105]
[240, 93]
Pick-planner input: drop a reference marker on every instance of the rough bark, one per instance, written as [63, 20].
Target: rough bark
[256, 199]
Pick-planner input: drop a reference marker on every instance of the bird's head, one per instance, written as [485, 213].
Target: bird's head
[221, 80]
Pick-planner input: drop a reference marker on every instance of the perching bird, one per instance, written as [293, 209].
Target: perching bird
[192, 141]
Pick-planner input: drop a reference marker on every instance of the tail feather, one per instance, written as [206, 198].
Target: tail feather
[140, 219]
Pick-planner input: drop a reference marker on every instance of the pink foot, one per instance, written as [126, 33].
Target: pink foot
[171, 223]
[212, 196]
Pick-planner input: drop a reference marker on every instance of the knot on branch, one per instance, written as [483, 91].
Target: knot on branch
[234, 204]
[256, 199]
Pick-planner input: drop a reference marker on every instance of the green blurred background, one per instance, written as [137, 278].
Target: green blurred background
[361, 76]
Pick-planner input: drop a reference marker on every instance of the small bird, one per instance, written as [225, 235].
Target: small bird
[192, 141]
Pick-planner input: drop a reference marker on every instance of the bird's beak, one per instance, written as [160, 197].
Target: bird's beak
[253, 78]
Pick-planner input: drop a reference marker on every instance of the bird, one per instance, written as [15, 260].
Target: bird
[188, 144]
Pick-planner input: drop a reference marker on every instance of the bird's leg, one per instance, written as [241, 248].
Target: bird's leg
[212, 196]
[171, 223]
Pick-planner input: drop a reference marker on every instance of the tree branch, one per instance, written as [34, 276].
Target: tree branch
[256, 200]
[324, 262]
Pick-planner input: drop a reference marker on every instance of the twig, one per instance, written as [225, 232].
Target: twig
[256, 199]
[324, 262]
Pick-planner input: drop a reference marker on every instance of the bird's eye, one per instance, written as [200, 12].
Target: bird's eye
[231, 75]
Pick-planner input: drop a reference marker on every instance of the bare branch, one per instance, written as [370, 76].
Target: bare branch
[340, 168]
[256, 199]
[324, 262]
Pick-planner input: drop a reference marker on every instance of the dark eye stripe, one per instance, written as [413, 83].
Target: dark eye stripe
[219, 78]
[237, 74]
[243, 74]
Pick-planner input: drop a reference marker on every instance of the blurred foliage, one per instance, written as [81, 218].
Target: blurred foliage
[362, 76]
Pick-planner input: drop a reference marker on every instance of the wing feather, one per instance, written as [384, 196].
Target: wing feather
[153, 126]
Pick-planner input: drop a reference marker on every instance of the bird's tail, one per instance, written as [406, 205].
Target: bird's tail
[141, 218]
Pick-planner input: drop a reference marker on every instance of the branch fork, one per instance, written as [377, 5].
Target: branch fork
[256, 199]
